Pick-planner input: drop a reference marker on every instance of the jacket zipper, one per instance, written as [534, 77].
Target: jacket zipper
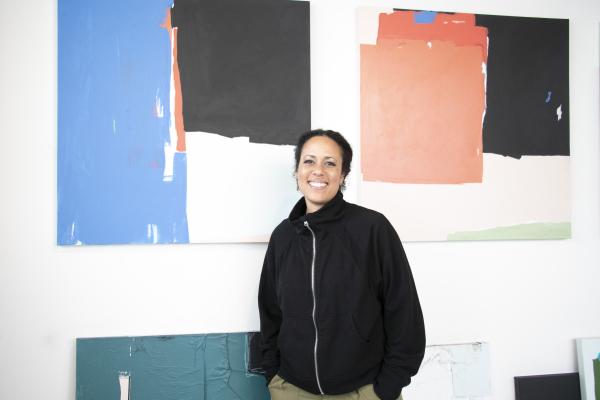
[312, 286]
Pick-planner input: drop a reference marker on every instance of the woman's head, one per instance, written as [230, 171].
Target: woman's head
[323, 160]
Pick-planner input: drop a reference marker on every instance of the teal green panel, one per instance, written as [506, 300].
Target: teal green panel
[183, 367]
[237, 347]
[559, 230]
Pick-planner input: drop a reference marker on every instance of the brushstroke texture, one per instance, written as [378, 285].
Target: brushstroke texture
[113, 69]
[245, 67]
[423, 100]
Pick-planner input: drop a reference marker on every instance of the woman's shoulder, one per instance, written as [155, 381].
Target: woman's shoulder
[365, 215]
[282, 231]
[369, 222]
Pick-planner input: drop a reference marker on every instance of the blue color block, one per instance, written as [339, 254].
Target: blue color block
[114, 67]
[425, 17]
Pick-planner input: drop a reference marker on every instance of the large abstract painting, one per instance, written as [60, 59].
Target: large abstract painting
[465, 124]
[170, 113]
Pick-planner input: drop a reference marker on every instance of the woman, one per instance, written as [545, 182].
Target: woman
[338, 307]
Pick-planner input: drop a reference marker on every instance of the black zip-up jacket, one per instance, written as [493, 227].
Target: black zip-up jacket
[338, 305]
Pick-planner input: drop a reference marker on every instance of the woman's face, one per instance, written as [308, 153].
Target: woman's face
[319, 172]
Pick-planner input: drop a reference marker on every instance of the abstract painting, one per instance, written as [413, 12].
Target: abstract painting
[198, 367]
[452, 372]
[548, 387]
[588, 361]
[465, 124]
[176, 118]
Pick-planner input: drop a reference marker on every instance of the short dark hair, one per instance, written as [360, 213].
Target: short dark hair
[336, 137]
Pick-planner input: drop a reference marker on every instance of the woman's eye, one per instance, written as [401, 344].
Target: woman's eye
[330, 164]
[308, 161]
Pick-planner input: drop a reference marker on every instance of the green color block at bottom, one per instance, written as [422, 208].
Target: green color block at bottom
[596, 365]
[559, 230]
[198, 367]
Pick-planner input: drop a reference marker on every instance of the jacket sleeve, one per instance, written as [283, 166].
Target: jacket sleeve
[402, 316]
[270, 314]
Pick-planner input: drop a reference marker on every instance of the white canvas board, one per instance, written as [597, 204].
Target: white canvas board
[452, 372]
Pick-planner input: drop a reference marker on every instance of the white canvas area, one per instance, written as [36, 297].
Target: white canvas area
[237, 191]
[514, 191]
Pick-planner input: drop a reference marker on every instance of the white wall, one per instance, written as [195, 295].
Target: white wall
[528, 299]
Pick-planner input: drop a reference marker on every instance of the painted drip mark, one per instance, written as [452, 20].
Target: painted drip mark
[159, 109]
[124, 384]
[152, 233]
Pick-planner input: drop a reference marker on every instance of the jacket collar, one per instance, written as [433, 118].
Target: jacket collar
[331, 211]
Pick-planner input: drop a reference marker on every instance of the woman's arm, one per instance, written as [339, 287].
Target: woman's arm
[270, 314]
[402, 316]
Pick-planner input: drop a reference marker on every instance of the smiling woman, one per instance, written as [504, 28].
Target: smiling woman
[338, 305]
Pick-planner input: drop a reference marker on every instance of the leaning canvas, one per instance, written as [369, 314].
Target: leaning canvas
[588, 361]
[465, 124]
[183, 367]
[548, 387]
[452, 372]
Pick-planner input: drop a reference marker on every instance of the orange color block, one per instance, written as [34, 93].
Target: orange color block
[422, 106]
[178, 106]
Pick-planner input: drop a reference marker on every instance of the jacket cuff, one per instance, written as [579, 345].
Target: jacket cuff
[269, 375]
[388, 386]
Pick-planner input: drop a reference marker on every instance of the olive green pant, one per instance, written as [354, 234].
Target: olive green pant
[282, 390]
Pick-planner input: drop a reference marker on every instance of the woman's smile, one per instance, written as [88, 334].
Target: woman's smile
[317, 185]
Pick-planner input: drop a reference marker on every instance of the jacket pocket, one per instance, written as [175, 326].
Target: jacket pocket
[368, 324]
[343, 352]
[296, 347]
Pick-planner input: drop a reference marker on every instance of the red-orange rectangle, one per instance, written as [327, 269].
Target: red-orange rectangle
[423, 100]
